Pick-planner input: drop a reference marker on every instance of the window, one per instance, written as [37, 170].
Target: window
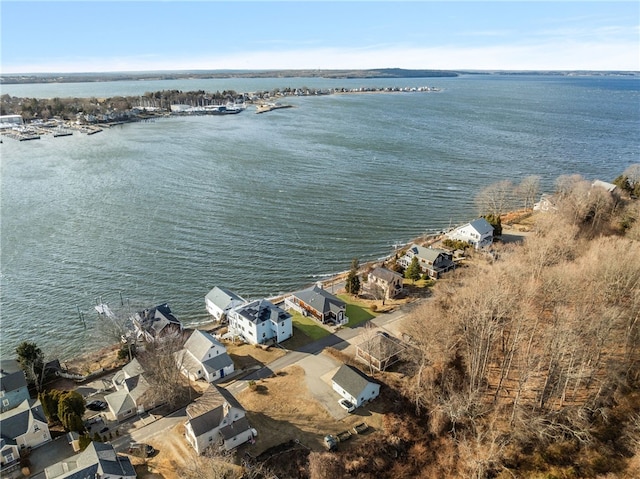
[36, 428]
[8, 457]
[210, 438]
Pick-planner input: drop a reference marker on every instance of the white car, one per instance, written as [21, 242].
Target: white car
[348, 405]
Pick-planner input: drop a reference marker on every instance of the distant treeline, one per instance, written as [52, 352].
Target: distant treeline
[200, 74]
[68, 108]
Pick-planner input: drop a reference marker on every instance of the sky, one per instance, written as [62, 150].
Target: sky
[112, 36]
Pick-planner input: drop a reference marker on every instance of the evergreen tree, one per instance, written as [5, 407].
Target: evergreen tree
[352, 284]
[31, 359]
[413, 271]
[496, 222]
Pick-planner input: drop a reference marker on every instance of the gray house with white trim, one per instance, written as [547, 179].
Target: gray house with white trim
[432, 261]
[13, 385]
[319, 304]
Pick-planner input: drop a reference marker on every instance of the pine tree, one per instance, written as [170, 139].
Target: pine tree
[413, 271]
[352, 284]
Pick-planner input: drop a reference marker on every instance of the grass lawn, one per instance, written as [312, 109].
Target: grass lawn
[357, 311]
[305, 331]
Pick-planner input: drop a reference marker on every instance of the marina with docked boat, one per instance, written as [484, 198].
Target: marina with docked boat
[16, 127]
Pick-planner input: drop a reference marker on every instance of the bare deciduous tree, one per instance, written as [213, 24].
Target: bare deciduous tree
[161, 361]
[495, 199]
[527, 191]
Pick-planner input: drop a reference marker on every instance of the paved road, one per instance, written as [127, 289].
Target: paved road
[318, 369]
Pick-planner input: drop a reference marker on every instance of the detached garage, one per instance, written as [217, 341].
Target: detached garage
[355, 386]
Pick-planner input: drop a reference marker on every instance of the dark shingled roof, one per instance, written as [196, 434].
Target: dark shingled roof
[11, 375]
[320, 300]
[351, 379]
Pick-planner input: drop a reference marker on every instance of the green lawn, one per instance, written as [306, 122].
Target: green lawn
[308, 326]
[357, 311]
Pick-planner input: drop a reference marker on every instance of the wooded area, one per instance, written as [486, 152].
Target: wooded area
[526, 363]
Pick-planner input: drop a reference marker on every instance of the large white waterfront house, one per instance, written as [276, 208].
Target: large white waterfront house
[478, 233]
[260, 322]
[220, 300]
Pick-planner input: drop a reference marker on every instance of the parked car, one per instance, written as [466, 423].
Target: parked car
[348, 405]
[104, 429]
[97, 405]
[330, 442]
[140, 449]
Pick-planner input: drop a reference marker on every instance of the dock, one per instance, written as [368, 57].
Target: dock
[265, 107]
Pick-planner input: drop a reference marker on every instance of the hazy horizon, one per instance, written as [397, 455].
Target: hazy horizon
[155, 36]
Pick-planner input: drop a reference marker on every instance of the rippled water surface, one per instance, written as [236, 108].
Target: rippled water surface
[164, 211]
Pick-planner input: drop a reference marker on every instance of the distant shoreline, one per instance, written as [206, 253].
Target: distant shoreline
[378, 73]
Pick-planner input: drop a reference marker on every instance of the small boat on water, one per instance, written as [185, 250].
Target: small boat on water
[228, 109]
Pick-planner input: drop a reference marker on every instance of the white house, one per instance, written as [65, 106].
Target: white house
[478, 233]
[23, 427]
[203, 357]
[98, 460]
[355, 386]
[260, 322]
[217, 419]
[220, 300]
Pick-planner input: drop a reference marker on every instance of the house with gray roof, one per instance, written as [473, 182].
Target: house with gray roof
[380, 351]
[133, 395]
[389, 282]
[13, 385]
[203, 357]
[216, 419]
[219, 301]
[318, 303]
[98, 460]
[260, 322]
[478, 233]
[153, 323]
[355, 386]
[432, 261]
[23, 427]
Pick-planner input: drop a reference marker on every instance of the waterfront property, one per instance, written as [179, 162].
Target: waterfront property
[319, 304]
[13, 384]
[98, 460]
[260, 322]
[151, 324]
[203, 357]
[354, 386]
[478, 233]
[387, 281]
[432, 261]
[219, 301]
[216, 419]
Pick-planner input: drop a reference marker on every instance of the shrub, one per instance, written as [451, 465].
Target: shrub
[374, 307]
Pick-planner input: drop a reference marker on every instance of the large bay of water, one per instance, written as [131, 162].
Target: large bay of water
[261, 204]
